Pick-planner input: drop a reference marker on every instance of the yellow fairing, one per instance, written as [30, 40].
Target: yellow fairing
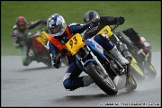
[151, 67]
[135, 66]
[42, 38]
[75, 43]
[106, 30]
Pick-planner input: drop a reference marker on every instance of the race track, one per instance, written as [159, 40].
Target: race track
[39, 86]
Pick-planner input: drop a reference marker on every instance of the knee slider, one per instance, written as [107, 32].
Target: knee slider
[68, 83]
[25, 62]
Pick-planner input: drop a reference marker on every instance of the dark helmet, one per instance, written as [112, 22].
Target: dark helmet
[21, 23]
[88, 16]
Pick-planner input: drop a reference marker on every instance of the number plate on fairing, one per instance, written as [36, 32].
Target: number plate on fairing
[106, 30]
[75, 43]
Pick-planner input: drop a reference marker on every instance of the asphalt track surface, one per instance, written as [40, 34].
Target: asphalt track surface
[39, 86]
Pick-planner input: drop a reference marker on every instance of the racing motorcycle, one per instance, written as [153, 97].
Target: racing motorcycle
[38, 46]
[122, 47]
[143, 60]
[141, 65]
[101, 66]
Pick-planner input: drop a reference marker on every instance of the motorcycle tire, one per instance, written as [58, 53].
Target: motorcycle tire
[131, 84]
[151, 71]
[137, 75]
[106, 84]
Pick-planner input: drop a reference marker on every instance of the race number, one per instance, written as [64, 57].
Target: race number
[75, 43]
[106, 30]
[42, 38]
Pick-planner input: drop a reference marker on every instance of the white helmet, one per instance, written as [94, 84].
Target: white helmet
[56, 24]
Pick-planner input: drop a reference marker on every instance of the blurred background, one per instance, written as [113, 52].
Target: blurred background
[143, 16]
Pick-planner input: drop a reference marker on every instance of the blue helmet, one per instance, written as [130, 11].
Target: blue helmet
[56, 24]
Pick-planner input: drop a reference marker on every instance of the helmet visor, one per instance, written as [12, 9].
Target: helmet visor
[22, 27]
[56, 29]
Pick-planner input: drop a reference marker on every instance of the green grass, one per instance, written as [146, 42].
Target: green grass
[144, 16]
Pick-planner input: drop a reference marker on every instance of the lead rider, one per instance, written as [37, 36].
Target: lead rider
[60, 33]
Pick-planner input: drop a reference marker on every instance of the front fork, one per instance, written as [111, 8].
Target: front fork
[98, 62]
[94, 59]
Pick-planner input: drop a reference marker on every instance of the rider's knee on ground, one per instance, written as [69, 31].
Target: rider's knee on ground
[71, 84]
[26, 62]
[67, 84]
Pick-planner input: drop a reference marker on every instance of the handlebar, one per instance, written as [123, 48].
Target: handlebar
[116, 25]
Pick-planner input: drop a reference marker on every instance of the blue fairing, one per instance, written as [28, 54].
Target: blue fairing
[96, 47]
[87, 61]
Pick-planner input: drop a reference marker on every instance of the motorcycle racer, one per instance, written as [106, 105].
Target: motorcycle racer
[19, 37]
[111, 20]
[60, 33]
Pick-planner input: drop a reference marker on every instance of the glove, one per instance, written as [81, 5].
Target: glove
[56, 61]
[64, 51]
[44, 22]
[57, 65]
[120, 20]
[95, 22]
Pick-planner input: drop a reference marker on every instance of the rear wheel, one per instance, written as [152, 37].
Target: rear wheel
[105, 83]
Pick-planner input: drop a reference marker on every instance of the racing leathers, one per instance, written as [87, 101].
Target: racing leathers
[71, 80]
[130, 32]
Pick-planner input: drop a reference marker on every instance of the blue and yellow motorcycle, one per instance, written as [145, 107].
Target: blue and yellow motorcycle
[101, 66]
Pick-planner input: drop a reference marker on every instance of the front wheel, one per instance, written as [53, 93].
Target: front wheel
[105, 83]
[130, 83]
[150, 71]
[136, 70]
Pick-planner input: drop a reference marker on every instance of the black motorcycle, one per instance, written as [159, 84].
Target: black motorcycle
[139, 57]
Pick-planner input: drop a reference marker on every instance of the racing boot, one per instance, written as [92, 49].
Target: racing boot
[114, 51]
[87, 80]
